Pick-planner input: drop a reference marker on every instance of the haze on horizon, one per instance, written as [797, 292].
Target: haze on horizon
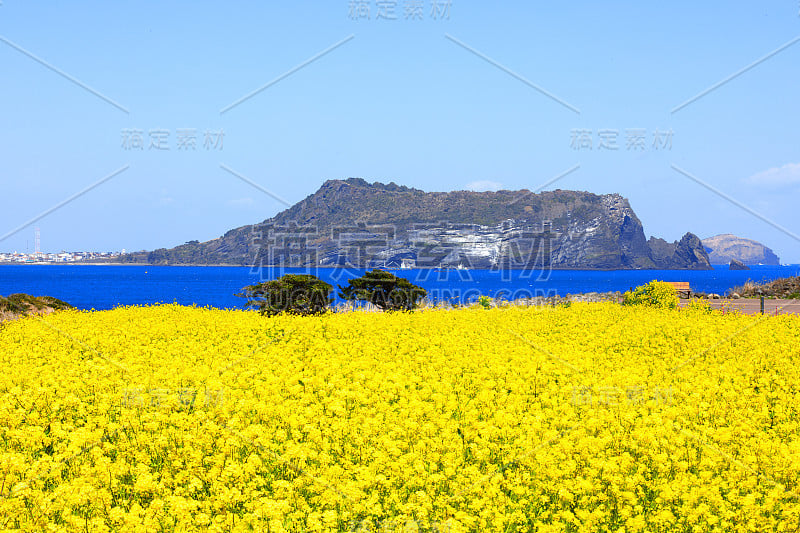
[187, 122]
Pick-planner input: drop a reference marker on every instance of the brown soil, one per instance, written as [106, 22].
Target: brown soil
[13, 316]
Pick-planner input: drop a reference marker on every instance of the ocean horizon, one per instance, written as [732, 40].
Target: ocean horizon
[102, 287]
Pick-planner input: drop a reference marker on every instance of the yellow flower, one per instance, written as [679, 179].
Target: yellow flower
[592, 417]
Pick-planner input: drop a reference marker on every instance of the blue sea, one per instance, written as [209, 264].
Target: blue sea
[107, 286]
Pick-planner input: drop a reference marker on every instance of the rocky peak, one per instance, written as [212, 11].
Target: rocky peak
[723, 248]
[395, 224]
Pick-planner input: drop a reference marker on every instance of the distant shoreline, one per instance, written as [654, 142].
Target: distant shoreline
[70, 263]
[364, 268]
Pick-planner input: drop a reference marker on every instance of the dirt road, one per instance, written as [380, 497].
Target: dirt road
[752, 306]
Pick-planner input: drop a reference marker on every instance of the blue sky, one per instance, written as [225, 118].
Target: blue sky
[483, 96]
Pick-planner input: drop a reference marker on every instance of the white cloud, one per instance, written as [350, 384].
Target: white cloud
[484, 185]
[788, 174]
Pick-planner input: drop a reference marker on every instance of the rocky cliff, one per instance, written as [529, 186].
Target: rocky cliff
[352, 222]
[723, 248]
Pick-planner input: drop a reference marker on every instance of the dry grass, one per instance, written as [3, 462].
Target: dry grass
[17, 305]
[788, 288]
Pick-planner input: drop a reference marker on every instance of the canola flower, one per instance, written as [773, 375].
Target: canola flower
[593, 417]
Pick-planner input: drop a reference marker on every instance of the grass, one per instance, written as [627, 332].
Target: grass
[779, 288]
[22, 304]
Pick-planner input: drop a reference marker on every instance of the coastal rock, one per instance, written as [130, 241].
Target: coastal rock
[737, 265]
[352, 223]
[686, 253]
[723, 248]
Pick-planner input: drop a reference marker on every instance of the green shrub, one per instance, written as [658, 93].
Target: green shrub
[295, 294]
[653, 294]
[700, 305]
[485, 302]
[23, 303]
[384, 290]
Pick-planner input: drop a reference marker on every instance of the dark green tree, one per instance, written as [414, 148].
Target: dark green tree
[384, 290]
[296, 294]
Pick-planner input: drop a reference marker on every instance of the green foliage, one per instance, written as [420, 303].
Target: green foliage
[485, 302]
[296, 294]
[653, 294]
[384, 290]
[54, 303]
[700, 305]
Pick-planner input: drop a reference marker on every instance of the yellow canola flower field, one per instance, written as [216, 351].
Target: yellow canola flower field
[593, 417]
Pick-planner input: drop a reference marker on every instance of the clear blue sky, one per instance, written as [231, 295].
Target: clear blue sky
[399, 101]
